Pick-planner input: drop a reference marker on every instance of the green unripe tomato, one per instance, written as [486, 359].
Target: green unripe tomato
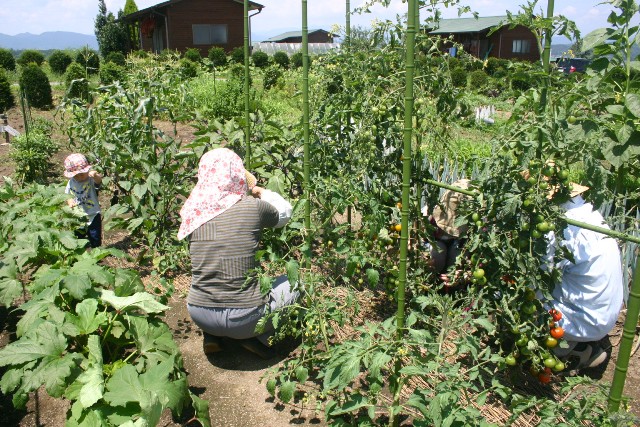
[550, 362]
[510, 360]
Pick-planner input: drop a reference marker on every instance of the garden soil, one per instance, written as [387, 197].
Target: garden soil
[229, 380]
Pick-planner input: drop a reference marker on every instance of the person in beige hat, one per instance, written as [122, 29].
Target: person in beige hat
[590, 292]
[449, 236]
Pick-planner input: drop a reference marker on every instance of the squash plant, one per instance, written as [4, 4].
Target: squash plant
[88, 333]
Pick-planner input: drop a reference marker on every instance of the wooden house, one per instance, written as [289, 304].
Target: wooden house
[182, 24]
[473, 36]
[314, 36]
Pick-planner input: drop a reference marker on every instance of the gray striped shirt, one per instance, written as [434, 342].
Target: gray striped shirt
[223, 254]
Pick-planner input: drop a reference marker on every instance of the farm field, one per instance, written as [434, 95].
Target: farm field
[363, 143]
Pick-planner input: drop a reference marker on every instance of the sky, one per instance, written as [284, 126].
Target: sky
[38, 16]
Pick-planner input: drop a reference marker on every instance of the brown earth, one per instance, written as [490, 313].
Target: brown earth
[230, 380]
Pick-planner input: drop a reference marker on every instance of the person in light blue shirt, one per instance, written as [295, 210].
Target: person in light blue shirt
[590, 293]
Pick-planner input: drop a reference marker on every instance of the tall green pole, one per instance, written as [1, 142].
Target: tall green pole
[305, 130]
[628, 334]
[406, 162]
[247, 127]
[546, 54]
[347, 41]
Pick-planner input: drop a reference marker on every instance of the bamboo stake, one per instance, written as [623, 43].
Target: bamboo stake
[247, 127]
[305, 130]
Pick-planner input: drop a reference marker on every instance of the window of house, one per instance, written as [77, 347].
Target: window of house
[205, 34]
[521, 46]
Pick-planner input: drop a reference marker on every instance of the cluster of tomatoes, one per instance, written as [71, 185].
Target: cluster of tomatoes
[543, 363]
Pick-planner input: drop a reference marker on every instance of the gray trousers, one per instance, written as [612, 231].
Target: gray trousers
[240, 323]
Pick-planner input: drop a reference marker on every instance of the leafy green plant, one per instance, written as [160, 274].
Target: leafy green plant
[88, 59]
[296, 60]
[29, 56]
[478, 79]
[188, 68]
[59, 60]
[217, 56]
[35, 85]
[116, 57]
[260, 59]
[459, 77]
[7, 99]
[31, 153]
[7, 61]
[237, 56]
[193, 54]
[89, 333]
[271, 77]
[111, 72]
[76, 82]
[281, 58]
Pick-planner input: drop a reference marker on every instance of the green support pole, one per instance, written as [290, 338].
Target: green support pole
[347, 41]
[628, 334]
[546, 53]
[305, 130]
[247, 126]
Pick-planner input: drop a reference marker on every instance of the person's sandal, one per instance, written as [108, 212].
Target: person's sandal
[254, 346]
[211, 344]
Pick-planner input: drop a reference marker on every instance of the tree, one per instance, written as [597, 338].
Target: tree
[129, 8]
[112, 36]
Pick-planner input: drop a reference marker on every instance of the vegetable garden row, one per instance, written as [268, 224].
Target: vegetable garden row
[373, 146]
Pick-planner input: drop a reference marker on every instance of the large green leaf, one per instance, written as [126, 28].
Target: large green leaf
[127, 283]
[77, 285]
[632, 102]
[151, 337]
[92, 378]
[46, 341]
[91, 268]
[138, 301]
[10, 289]
[87, 320]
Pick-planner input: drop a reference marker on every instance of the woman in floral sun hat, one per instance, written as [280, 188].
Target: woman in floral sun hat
[224, 225]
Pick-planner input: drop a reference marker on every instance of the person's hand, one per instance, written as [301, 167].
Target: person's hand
[72, 203]
[96, 176]
[257, 191]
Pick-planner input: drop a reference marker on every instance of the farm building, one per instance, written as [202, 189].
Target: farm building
[314, 36]
[473, 35]
[183, 24]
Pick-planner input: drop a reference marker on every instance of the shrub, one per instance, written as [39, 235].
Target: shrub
[76, 82]
[188, 68]
[140, 53]
[459, 77]
[271, 77]
[89, 59]
[237, 55]
[520, 83]
[193, 54]
[500, 73]
[7, 61]
[260, 59]
[281, 58]
[59, 60]
[6, 96]
[116, 58]
[30, 56]
[32, 153]
[491, 66]
[236, 72]
[217, 56]
[454, 62]
[478, 79]
[110, 73]
[296, 60]
[34, 83]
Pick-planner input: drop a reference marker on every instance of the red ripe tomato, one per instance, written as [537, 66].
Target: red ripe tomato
[555, 314]
[544, 377]
[557, 332]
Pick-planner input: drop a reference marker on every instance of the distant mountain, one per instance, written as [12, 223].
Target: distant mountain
[48, 40]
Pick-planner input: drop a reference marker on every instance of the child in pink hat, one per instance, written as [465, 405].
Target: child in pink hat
[83, 185]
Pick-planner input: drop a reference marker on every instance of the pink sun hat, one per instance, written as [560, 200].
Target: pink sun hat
[74, 164]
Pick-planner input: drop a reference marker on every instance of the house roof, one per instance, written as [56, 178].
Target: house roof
[292, 34]
[468, 25]
[143, 12]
